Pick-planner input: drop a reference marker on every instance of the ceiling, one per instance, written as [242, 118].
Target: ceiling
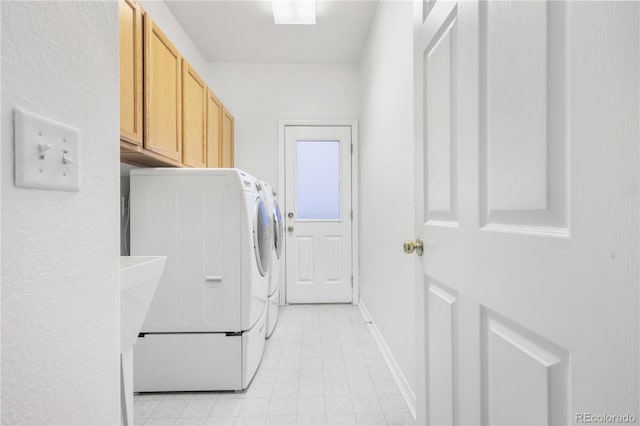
[243, 31]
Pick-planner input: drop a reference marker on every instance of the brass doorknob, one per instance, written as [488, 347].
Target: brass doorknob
[409, 247]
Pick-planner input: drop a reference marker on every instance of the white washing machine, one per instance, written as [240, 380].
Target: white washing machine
[275, 275]
[206, 326]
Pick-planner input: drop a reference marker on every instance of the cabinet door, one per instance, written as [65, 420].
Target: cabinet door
[214, 131]
[163, 94]
[194, 118]
[227, 139]
[131, 73]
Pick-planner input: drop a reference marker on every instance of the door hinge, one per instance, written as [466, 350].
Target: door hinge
[352, 148]
[351, 214]
[352, 281]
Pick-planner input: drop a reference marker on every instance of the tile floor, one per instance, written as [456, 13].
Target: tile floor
[321, 366]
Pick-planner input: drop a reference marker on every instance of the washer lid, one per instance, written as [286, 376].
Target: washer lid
[278, 231]
[262, 242]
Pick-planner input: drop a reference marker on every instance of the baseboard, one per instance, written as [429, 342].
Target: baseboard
[407, 393]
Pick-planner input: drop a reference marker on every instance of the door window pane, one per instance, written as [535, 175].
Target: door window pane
[318, 179]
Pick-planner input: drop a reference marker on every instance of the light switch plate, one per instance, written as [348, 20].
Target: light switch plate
[47, 153]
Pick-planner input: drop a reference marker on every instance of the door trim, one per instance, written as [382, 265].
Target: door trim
[355, 295]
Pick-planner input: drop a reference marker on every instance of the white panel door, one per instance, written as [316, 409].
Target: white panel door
[318, 214]
[527, 134]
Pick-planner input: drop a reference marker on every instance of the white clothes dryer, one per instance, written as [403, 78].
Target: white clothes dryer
[205, 328]
[275, 276]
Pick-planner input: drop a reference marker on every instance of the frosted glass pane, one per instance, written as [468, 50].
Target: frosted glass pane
[318, 179]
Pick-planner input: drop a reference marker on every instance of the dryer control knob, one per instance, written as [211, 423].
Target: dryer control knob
[258, 186]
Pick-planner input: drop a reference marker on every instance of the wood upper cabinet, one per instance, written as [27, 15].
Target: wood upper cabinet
[163, 94]
[130, 74]
[194, 118]
[227, 139]
[168, 115]
[214, 130]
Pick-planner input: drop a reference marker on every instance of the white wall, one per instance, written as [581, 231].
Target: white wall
[60, 283]
[386, 180]
[259, 95]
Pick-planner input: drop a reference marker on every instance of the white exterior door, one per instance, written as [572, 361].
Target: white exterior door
[527, 141]
[318, 214]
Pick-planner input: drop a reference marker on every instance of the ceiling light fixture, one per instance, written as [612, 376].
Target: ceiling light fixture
[296, 12]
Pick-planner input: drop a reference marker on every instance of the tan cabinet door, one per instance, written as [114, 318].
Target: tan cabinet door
[227, 139]
[214, 130]
[163, 94]
[194, 118]
[131, 73]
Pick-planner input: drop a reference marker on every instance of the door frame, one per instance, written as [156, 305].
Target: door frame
[355, 294]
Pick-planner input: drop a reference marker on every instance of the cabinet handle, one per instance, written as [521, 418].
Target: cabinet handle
[213, 278]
